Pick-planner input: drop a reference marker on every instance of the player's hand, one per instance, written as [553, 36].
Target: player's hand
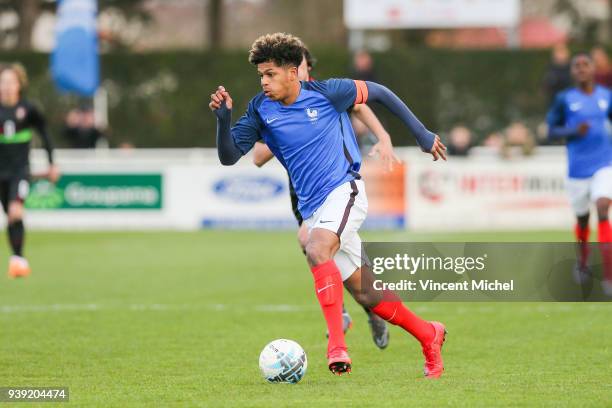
[53, 174]
[583, 128]
[386, 153]
[438, 150]
[218, 97]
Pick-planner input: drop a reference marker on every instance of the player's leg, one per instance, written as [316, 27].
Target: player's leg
[302, 236]
[582, 231]
[388, 306]
[348, 259]
[17, 193]
[326, 226]
[578, 194]
[320, 249]
[602, 195]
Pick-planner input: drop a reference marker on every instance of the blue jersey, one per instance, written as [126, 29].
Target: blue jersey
[312, 138]
[593, 151]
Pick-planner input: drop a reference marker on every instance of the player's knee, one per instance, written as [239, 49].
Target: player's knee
[603, 207]
[15, 211]
[317, 252]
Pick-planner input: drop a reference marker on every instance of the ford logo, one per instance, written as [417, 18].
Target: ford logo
[245, 188]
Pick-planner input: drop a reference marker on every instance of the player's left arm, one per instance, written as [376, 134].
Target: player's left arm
[429, 141]
[39, 123]
[384, 147]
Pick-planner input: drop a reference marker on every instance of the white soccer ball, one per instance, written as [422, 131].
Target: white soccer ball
[283, 361]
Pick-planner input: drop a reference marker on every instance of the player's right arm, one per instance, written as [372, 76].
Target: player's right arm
[262, 154]
[233, 142]
[556, 120]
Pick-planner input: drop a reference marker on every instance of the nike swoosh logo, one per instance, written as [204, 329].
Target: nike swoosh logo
[268, 121]
[325, 222]
[328, 286]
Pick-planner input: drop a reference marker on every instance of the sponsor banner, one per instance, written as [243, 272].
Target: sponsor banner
[386, 192]
[463, 195]
[245, 197]
[240, 196]
[386, 14]
[98, 192]
[488, 271]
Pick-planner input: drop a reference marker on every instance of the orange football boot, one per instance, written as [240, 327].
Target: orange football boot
[18, 267]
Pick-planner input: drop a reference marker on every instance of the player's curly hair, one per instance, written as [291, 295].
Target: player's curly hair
[281, 48]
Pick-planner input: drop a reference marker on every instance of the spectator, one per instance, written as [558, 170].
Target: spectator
[363, 66]
[459, 141]
[519, 141]
[603, 68]
[558, 76]
[80, 130]
[363, 70]
[494, 141]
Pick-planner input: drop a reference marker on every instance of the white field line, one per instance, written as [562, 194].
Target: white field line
[484, 308]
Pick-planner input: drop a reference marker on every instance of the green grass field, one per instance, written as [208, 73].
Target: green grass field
[178, 319]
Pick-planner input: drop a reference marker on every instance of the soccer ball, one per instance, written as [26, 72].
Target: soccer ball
[283, 361]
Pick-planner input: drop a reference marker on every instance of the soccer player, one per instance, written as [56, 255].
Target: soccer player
[306, 126]
[262, 154]
[580, 116]
[18, 118]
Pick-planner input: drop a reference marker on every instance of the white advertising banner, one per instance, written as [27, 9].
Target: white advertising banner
[384, 14]
[188, 189]
[464, 194]
[240, 196]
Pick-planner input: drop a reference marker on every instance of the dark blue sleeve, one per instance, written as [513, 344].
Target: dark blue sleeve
[610, 105]
[247, 130]
[235, 142]
[340, 92]
[379, 93]
[556, 119]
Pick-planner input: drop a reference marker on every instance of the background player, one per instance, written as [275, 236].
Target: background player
[18, 118]
[580, 115]
[306, 125]
[262, 154]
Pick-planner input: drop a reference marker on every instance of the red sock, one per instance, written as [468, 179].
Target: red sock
[604, 235]
[396, 313]
[582, 236]
[329, 290]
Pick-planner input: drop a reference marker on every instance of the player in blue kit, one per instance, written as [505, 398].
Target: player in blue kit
[306, 126]
[262, 154]
[581, 115]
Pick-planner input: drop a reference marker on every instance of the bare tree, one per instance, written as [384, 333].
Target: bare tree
[215, 26]
[28, 12]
